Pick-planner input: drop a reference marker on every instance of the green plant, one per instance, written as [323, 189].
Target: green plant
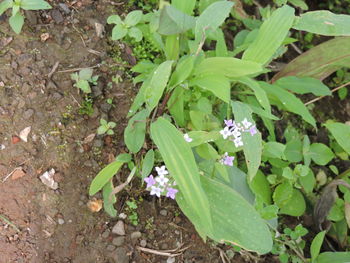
[86, 107]
[132, 212]
[106, 127]
[83, 79]
[17, 19]
[212, 121]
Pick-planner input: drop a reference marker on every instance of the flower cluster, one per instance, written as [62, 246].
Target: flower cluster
[233, 131]
[162, 184]
[227, 160]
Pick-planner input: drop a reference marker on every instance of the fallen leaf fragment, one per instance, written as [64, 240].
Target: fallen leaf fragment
[95, 205]
[47, 179]
[44, 37]
[18, 173]
[24, 134]
[15, 139]
[89, 138]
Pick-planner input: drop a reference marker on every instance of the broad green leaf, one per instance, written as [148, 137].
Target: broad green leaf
[259, 93]
[274, 150]
[108, 199]
[124, 157]
[134, 133]
[323, 23]
[85, 73]
[133, 18]
[219, 85]
[16, 22]
[341, 133]
[261, 187]
[289, 101]
[320, 153]
[34, 5]
[182, 71]
[271, 35]
[299, 3]
[114, 19]
[295, 206]
[118, 32]
[172, 47]
[4, 5]
[334, 257]
[228, 209]
[104, 176]
[155, 88]
[84, 85]
[185, 6]
[308, 182]
[176, 106]
[198, 119]
[316, 245]
[303, 85]
[207, 152]
[211, 18]
[173, 21]
[135, 33]
[252, 147]
[320, 61]
[179, 160]
[147, 164]
[226, 66]
[283, 194]
[200, 137]
[220, 47]
[293, 151]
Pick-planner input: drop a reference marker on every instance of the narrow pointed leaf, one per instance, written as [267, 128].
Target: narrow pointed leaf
[341, 133]
[304, 85]
[134, 134]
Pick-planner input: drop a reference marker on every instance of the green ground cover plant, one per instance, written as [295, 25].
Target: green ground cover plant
[209, 112]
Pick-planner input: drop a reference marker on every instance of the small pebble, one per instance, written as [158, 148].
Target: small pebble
[60, 221]
[118, 241]
[164, 246]
[110, 247]
[119, 228]
[163, 212]
[143, 243]
[135, 235]
[105, 234]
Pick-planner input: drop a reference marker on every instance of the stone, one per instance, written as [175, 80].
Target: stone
[135, 235]
[64, 8]
[143, 243]
[60, 221]
[120, 255]
[119, 228]
[96, 91]
[110, 248]
[57, 16]
[105, 107]
[163, 212]
[105, 234]
[118, 241]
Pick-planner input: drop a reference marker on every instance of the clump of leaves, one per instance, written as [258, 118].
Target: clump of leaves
[83, 79]
[106, 127]
[17, 19]
[128, 26]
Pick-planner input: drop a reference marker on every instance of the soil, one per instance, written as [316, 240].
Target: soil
[39, 224]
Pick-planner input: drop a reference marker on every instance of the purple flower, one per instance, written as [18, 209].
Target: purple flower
[150, 181]
[238, 141]
[229, 123]
[236, 133]
[156, 191]
[253, 130]
[187, 138]
[226, 132]
[171, 192]
[228, 160]
[162, 180]
[161, 170]
[246, 123]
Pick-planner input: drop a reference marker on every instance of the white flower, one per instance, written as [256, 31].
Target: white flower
[238, 141]
[246, 123]
[236, 133]
[156, 191]
[162, 180]
[226, 132]
[161, 170]
[187, 138]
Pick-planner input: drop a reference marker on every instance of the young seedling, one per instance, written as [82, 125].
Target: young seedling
[106, 127]
[83, 79]
[17, 19]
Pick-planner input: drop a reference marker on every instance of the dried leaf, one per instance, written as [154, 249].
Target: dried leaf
[95, 205]
[89, 138]
[18, 173]
[24, 134]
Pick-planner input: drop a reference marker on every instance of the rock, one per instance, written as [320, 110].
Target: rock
[57, 16]
[28, 113]
[105, 107]
[143, 243]
[60, 221]
[120, 255]
[110, 248]
[96, 91]
[118, 241]
[64, 8]
[164, 246]
[119, 228]
[56, 96]
[135, 235]
[163, 212]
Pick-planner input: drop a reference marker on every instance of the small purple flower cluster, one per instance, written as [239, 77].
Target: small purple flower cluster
[233, 131]
[161, 184]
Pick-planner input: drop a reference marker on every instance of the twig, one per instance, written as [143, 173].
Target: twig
[77, 69]
[17, 168]
[296, 48]
[223, 256]
[9, 223]
[54, 68]
[166, 253]
[333, 90]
